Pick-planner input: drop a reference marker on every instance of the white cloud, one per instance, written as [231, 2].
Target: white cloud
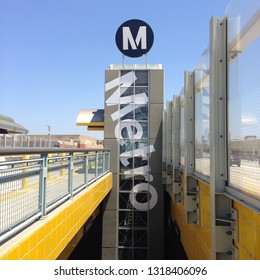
[248, 119]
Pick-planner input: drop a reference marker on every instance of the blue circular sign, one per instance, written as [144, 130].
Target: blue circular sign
[134, 38]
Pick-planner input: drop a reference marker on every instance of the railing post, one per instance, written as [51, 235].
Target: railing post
[70, 174]
[40, 167]
[43, 183]
[96, 154]
[104, 162]
[86, 169]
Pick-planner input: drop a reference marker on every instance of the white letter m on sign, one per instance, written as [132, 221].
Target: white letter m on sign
[140, 37]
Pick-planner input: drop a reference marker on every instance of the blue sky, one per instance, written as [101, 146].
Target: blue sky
[53, 53]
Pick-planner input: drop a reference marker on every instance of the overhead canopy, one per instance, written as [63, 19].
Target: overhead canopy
[8, 125]
[92, 118]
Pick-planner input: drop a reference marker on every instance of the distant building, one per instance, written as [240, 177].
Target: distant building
[44, 141]
[8, 125]
[250, 137]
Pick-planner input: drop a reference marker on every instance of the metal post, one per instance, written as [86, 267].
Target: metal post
[175, 139]
[70, 177]
[43, 184]
[189, 122]
[103, 162]
[86, 169]
[96, 165]
[221, 241]
[176, 132]
[190, 185]
[107, 161]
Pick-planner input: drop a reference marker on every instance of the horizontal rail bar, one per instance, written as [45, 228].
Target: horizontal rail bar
[57, 203]
[27, 151]
[16, 229]
[30, 188]
[18, 176]
[20, 168]
[20, 161]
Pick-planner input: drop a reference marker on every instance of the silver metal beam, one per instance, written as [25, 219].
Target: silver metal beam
[221, 241]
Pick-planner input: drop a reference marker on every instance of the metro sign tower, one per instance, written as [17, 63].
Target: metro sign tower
[133, 217]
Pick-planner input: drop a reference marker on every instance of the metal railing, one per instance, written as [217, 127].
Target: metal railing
[35, 181]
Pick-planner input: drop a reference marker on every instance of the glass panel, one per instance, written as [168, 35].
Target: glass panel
[128, 145]
[243, 97]
[202, 137]
[140, 238]
[126, 183]
[142, 128]
[126, 95]
[140, 254]
[139, 179]
[133, 129]
[127, 112]
[125, 219]
[142, 78]
[124, 202]
[142, 196]
[140, 218]
[141, 112]
[123, 72]
[125, 237]
[126, 163]
[142, 170]
[127, 129]
[140, 161]
[141, 95]
[124, 254]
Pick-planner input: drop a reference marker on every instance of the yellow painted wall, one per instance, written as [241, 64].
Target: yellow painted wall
[248, 233]
[47, 238]
[64, 255]
[196, 239]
